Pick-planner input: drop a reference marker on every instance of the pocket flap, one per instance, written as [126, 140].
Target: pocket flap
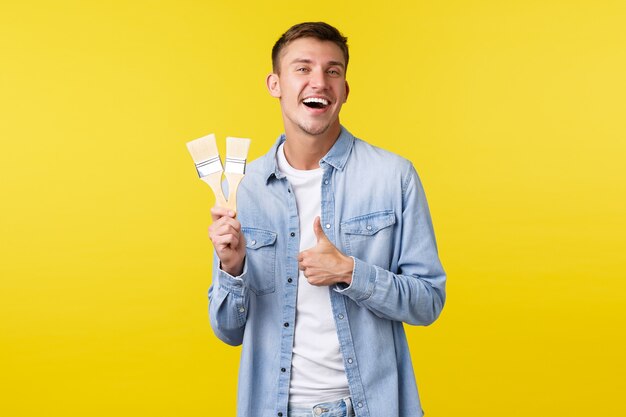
[369, 224]
[257, 238]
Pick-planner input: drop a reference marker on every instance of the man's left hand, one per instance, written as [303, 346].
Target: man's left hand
[324, 264]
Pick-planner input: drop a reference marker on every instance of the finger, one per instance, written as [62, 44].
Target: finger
[223, 222]
[226, 240]
[234, 223]
[221, 227]
[219, 212]
[317, 228]
[227, 228]
[313, 279]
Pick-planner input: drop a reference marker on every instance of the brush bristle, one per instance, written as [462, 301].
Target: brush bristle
[237, 148]
[203, 149]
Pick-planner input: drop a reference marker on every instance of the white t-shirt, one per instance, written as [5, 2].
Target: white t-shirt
[317, 370]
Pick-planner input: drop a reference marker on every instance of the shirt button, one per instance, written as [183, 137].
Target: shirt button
[286, 324]
[328, 225]
[317, 411]
[359, 405]
[253, 242]
[241, 309]
[292, 234]
[326, 182]
[350, 360]
[340, 316]
[369, 227]
[289, 280]
[280, 414]
[282, 370]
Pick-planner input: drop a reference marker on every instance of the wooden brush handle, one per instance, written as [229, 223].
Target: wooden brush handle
[215, 182]
[233, 183]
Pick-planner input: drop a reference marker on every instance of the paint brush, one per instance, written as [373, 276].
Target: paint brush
[209, 165]
[236, 155]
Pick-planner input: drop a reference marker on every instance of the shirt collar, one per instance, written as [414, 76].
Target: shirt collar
[336, 157]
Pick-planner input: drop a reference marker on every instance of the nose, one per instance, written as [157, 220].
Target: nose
[318, 79]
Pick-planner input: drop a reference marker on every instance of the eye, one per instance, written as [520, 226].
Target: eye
[334, 72]
[302, 69]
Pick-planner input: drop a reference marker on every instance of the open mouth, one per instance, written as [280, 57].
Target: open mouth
[315, 102]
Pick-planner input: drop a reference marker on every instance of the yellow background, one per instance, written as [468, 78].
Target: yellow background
[512, 112]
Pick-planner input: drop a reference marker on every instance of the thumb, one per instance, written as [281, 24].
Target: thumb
[319, 232]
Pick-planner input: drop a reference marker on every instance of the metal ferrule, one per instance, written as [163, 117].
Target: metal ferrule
[235, 165]
[210, 166]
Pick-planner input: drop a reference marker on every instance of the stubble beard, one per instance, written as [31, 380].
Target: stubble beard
[309, 127]
[312, 129]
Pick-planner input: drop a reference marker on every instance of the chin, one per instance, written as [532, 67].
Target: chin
[315, 129]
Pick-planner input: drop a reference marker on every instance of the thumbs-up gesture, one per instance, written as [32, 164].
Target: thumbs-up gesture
[324, 264]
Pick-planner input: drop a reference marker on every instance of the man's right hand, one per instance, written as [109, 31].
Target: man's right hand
[229, 242]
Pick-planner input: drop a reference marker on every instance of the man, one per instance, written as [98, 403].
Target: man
[331, 250]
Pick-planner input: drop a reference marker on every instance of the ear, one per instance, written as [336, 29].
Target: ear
[347, 91]
[273, 86]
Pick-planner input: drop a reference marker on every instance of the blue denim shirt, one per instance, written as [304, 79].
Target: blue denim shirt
[373, 209]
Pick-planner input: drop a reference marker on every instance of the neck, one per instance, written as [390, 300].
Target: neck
[304, 151]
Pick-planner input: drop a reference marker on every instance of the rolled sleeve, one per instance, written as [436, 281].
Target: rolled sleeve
[228, 304]
[363, 281]
[233, 284]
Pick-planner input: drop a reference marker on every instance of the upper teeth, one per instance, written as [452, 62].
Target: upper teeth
[316, 100]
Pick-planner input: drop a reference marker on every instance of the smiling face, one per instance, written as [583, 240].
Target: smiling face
[311, 86]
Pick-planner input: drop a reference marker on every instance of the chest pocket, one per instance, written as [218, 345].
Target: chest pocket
[370, 237]
[260, 260]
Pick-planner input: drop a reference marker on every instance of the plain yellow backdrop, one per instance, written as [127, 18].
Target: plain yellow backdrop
[512, 111]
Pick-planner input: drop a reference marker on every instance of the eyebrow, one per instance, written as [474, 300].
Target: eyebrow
[308, 61]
